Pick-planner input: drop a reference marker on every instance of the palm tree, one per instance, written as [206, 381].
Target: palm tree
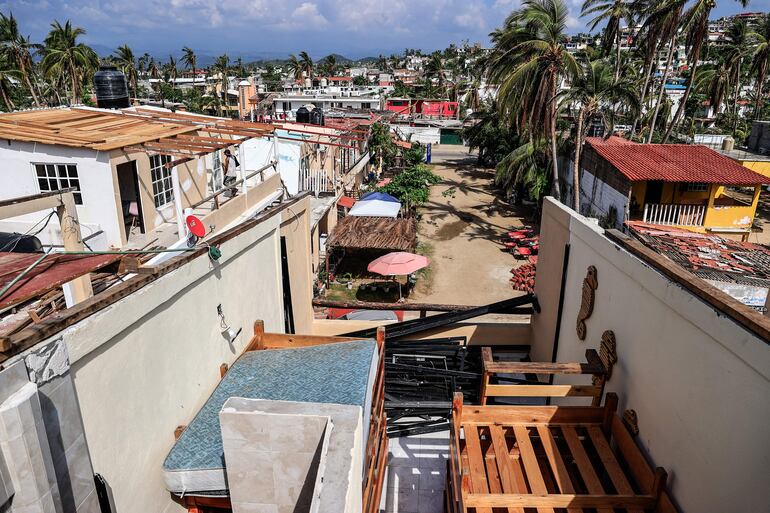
[598, 94]
[173, 71]
[329, 65]
[738, 49]
[434, 69]
[127, 64]
[696, 26]
[761, 60]
[295, 66]
[18, 50]
[190, 60]
[8, 73]
[154, 70]
[307, 63]
[528, 62]
[527, 164]
[222, 67]
[143, 63]
[664, 20]
[67, 60]
[613, 12]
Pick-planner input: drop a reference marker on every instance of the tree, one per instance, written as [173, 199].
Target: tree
[411, 186]
[306, 63]
[737, 50]
[598, 94]
[17, 50]
[526, 165]
[360, 80]
[8, 73]
[124, 58]
[155, 74]
[761, 61]
[172, 71]
[696, 27]
[381, 144]
[527, 62]
[222, 67]
[190, 60]
[613, 12]
[65, 59]
[295, 67]
[329, 65]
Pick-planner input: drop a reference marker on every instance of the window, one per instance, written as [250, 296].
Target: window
[54, 177]
[366, 105]
[286, 106]
[697, 187]
[162, 188]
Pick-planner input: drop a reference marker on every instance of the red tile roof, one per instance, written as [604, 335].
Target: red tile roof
[346, 201]
[673, 163]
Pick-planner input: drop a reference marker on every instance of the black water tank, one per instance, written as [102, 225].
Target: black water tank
[111, 88]
[18, 243]
[303, 115]
[317, 116]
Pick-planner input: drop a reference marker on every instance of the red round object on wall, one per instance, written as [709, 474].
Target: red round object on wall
[196, 226]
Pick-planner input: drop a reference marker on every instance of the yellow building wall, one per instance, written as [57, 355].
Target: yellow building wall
[759, 166]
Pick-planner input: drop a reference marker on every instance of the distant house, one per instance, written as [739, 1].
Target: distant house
[688, 186]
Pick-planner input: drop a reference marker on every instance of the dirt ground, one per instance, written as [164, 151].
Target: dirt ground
[461, 233]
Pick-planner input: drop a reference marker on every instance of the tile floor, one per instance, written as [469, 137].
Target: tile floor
[416, 474]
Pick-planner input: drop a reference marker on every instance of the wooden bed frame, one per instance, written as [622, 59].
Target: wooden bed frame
[508, 458]
[377, 444]
[593, 366]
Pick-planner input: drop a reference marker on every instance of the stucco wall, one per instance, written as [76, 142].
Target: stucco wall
[145, 364]
[98, 211]
[698, 381]
[597, 198]
[295, 226]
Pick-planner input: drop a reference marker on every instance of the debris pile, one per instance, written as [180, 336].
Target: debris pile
[523, 278]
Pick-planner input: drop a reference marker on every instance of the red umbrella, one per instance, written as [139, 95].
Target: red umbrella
[397, 263]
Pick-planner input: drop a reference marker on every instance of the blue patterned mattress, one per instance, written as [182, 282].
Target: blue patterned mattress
[340, 373]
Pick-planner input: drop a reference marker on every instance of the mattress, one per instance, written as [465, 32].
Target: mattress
[340, 373]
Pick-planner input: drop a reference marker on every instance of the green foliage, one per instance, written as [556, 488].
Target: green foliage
[414, 155]
[381, 144]
[490, 136]
[360, 80]
[411, 186]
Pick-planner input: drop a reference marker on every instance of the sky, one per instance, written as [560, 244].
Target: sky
[273, 28]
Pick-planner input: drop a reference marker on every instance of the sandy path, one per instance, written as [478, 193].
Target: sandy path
[468, 265]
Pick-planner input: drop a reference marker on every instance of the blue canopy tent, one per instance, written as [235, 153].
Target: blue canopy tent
[376, 204]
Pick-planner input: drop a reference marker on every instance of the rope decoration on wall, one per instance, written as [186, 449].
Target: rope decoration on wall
[608, 352]
[590, 284]
[631, 422]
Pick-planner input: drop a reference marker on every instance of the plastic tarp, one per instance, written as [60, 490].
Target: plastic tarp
[376, 204]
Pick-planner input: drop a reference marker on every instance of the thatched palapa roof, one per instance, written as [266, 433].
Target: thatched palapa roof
[374, 233]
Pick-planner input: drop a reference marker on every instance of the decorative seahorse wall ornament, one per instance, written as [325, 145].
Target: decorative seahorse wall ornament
[590, 283]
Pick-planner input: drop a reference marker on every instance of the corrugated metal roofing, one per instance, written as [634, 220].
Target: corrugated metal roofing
[49, 274]
[674, 163]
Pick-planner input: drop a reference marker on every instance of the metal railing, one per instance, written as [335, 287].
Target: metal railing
[316, 181]
[215, 195]
[674, 214]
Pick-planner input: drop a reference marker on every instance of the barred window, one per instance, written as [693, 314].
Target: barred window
[55, 177]
[162, 188]
[697, 187]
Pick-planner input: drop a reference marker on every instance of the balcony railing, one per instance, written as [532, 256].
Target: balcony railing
[317, 180]
[674, 214]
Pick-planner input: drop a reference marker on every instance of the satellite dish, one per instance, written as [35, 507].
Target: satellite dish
[196, 226]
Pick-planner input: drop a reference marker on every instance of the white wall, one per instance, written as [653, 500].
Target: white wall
[420, 134]
[99, 208]
[288, 161]
[146, 364]
[698, 381]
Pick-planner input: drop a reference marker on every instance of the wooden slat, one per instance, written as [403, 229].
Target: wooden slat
[558, 468]
[638, 467]
[554, 415]
[529, 458]
[543, 502]
[504, 465]
[542, 390]
[543, 368]
[586, 469]
[617, 476]
[476, 466]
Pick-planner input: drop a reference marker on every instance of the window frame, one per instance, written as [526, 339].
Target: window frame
[696, 187]
[62, 181]
[161, 178]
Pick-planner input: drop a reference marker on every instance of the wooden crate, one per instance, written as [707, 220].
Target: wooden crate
[514, 459]
[593, 366]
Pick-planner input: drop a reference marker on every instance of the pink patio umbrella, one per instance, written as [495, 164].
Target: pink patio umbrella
[398, 263]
